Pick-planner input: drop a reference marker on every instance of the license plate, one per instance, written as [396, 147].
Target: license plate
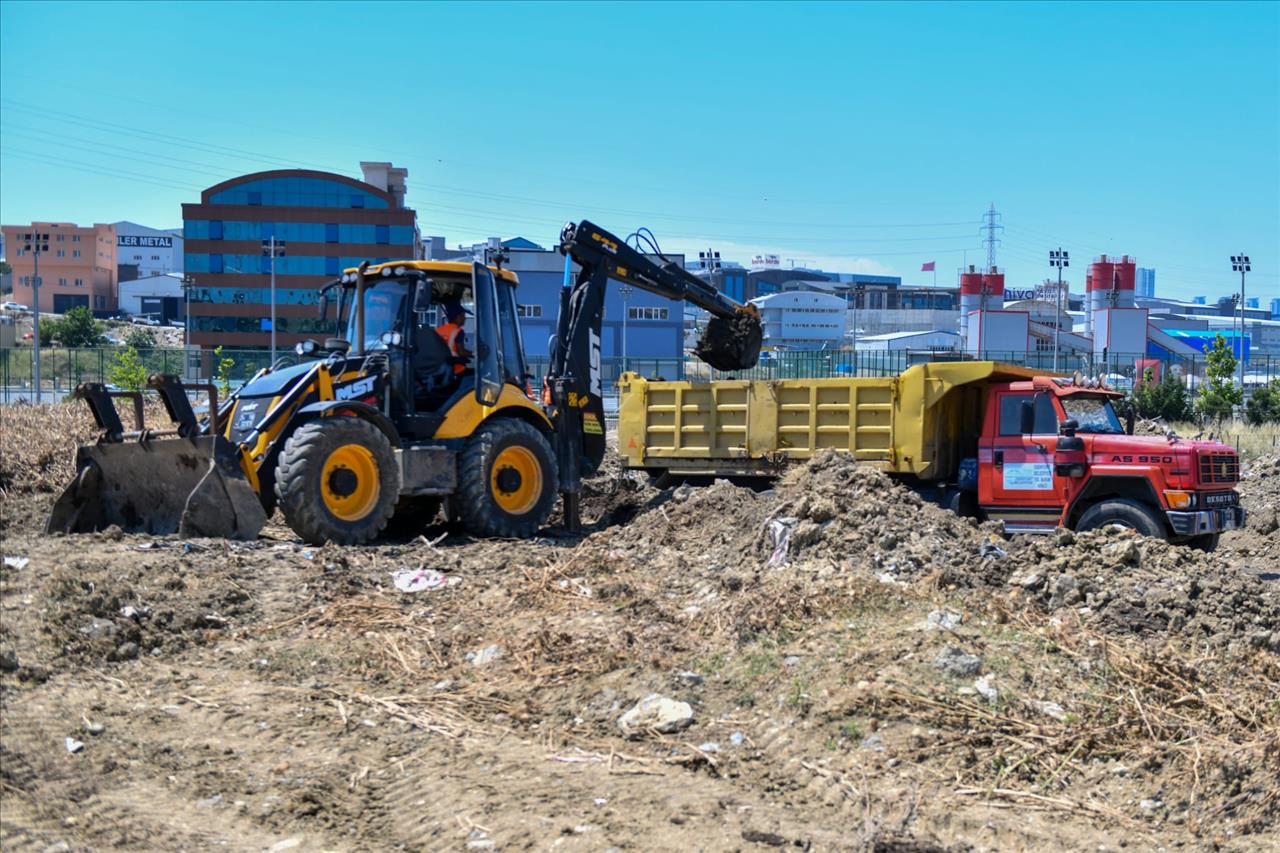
[1219, 500]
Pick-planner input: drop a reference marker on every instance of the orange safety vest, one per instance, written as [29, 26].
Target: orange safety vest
[451, 332]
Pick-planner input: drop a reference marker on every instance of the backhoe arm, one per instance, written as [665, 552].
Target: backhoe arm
[731, 341]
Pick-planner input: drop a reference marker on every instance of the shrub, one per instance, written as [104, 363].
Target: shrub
[1264, 404]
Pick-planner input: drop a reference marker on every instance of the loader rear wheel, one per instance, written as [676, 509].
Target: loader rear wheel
[337, 481]
[507, 480]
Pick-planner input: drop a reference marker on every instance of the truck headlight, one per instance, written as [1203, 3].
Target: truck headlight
[386, 272]
[1179, 499]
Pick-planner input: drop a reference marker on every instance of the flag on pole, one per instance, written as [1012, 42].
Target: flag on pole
[929, 267]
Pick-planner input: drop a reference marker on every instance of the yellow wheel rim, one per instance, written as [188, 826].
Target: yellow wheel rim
[516, 480]
[349, 482]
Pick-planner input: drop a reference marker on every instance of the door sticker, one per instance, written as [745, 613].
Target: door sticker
[1029, 476]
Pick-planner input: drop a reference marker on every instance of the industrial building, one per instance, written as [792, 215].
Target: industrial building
[159, 297]
[78, 267]
[142, 251]
[802, 320]
[327, 222]
[654, 326]
[937, 341]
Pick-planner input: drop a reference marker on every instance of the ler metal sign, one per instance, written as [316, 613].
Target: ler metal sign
[144, 242]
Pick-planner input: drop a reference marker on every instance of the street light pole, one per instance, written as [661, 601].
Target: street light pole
[274, 248]
[36, 243]
[625, 292]
[1058, 259]
[1240, 263]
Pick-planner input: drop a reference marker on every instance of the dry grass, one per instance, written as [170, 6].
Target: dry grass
[1250, 441]
[38, 443]
[1210, 728]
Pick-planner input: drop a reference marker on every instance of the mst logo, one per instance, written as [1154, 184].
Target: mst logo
[355, 389]
[1156, 460]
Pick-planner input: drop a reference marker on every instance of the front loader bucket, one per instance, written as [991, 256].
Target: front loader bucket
[732, 343]
[189, 486]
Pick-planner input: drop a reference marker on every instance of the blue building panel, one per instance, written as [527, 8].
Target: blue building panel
[655, 331]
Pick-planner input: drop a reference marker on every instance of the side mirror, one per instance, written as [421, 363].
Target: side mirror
[422, 297]
[1068, 427]
[1027, 417]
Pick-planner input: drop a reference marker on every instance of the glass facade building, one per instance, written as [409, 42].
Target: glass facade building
[328, 222]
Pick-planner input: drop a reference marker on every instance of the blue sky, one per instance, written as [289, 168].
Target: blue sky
[857, 137]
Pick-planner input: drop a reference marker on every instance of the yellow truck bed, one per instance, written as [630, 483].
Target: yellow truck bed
[915, 423]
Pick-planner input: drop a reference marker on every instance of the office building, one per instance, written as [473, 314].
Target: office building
[327, 222]
[77, 269]
[142, 251]
[1275, 309]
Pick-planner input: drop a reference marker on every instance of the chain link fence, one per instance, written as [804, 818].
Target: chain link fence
[62, 369]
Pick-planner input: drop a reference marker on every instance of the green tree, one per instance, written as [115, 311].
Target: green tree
[1167, 399]
[79, 329]
[140, 339]
[127, 370]
[5, 268]
[224, 372]
[50, 331]
[1264, 404]
[1220, 394]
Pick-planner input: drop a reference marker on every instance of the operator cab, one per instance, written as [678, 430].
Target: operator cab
[405, 302]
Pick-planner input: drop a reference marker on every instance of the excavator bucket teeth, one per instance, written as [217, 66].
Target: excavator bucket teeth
[731, 343]
[192, 487]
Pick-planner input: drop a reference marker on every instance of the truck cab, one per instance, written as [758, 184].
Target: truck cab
[1053, 453]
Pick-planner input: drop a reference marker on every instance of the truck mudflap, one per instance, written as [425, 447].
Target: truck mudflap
[189, 486]
[1206, 521]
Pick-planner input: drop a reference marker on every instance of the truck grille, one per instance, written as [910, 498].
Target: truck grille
[1219, 468]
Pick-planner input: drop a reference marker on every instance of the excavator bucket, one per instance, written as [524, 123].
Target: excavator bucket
[188, 486]
[732, 343]
[159, 483]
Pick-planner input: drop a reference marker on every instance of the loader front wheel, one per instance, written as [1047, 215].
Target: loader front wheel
[337, 481]
[507, 480]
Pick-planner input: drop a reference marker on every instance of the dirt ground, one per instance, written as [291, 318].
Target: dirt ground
[846, 668]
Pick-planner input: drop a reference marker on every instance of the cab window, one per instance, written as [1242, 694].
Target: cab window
[1011, 414]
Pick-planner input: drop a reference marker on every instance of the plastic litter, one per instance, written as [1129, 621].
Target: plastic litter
[18, 563]
[419, 580]
[74, 746]
[991, 551]
[780, 537]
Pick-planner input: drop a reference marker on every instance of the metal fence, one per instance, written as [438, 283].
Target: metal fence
[62, 369]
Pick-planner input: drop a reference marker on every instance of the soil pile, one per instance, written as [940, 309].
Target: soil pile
[1129, 584]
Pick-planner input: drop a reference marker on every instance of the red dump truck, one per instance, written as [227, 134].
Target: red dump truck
[985, 439]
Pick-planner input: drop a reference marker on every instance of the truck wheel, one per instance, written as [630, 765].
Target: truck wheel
[1126, 513]
[507, 480]
[337, 481]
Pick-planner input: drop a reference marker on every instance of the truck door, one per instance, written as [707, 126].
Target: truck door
[1017, 484]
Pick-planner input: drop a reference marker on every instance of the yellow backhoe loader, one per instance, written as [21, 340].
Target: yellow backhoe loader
[384, 419]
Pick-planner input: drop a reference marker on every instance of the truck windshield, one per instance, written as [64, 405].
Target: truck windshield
[1094, 414]
[383, 304]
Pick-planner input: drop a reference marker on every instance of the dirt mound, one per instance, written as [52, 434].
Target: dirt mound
[115, 598]
[1129, 584]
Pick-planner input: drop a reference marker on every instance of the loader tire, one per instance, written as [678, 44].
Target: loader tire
[337, 481]
[1125, 513]
[507, 480]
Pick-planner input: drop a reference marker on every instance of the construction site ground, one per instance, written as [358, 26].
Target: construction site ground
[838, 665]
